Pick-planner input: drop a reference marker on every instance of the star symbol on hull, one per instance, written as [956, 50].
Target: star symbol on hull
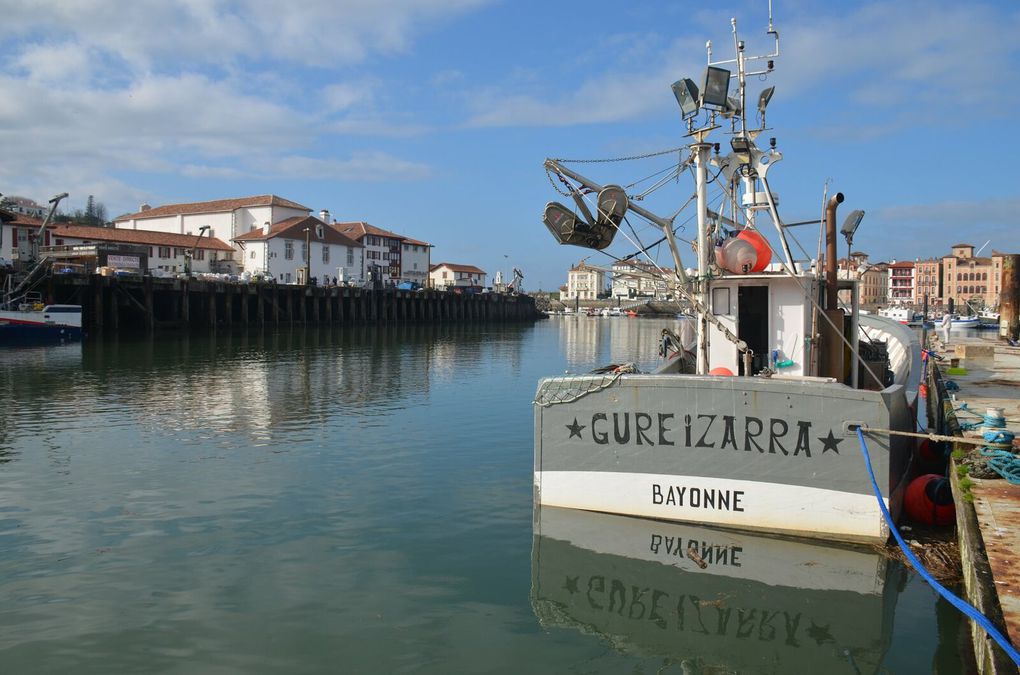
[575, 429]
[830, 442]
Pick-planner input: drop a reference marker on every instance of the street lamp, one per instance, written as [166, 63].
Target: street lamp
[308, 256]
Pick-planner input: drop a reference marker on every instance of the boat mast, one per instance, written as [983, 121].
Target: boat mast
[701, 155]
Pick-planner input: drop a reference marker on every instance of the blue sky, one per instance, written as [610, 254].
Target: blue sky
[432, 118]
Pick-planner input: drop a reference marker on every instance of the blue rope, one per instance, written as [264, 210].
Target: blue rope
[961, 605]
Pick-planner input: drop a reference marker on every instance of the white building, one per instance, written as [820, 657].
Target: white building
[393, 257]
[17, 232]
[282, 250]
[24, 206]
[226, 219]
[637, 279]
[450, 275]
[584, 282]
[901, 284]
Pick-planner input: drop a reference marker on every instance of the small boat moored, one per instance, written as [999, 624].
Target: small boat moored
[38, 324]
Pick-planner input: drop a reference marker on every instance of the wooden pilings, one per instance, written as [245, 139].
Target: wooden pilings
[149, 304]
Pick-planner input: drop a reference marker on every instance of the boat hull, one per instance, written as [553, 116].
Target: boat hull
[776, 455]
[25, 334]
[50, 325]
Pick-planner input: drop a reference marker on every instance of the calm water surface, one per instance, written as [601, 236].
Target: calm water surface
[354, 500]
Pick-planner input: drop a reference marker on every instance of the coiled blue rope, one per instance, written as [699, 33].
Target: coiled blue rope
[960, 604]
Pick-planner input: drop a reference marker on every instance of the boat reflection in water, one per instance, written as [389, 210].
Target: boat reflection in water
[712, 600]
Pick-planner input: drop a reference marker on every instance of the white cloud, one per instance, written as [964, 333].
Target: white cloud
[936, 57]
[313, 32]
[361, 166]
[610, 97]
[343, 96]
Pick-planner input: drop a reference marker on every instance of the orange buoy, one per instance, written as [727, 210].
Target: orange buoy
[929, 500]
[747, 253]
[721, 371]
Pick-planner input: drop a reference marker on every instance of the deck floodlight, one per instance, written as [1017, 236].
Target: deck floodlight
[764, 97]
[850, 225]
[741, 148]
[686, 93]
[732, 107]
[716, 87]
[567, 228]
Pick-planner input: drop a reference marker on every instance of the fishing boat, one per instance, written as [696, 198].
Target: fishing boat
[710, 600]
[24, 319]
[751, 422]
[33, 323]
[904, 315]
[957, 322]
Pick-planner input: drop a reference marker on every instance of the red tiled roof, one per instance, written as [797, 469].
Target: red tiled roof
[454, 267]
[959, 245]
[143, 237]
[22, 220]
[901, 265]
[357, 230]
[294, 228]
[215, 206]
[415, 242]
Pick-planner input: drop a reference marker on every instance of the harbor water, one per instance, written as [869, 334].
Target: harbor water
[359, 500]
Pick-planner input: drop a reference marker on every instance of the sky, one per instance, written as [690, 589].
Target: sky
[432, 118]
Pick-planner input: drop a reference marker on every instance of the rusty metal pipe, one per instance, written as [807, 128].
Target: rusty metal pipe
[831, 283]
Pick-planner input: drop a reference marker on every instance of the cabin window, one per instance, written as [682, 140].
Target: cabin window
[720, 301]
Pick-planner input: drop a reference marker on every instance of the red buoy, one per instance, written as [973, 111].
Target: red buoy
[929, 500]
[926, 453]
[721, 371]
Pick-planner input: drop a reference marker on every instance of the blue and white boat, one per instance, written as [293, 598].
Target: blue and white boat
[37, 324]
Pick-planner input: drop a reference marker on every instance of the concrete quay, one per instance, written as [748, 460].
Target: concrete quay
[987, 373]
[148, 304]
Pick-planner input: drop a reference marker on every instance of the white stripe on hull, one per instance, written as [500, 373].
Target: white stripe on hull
[744, 504]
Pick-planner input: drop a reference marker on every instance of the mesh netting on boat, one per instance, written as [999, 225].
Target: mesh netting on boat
[569, 388]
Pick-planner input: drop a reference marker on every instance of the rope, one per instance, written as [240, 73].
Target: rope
[929, 436]
[960, 604]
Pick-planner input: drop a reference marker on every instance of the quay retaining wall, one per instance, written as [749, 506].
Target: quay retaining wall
[151, 304]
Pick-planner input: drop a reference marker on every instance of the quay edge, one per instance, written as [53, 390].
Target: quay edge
[149, 304]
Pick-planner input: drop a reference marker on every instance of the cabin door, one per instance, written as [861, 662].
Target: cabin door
[753, 325]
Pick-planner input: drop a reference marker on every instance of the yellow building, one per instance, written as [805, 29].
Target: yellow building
[972, 279]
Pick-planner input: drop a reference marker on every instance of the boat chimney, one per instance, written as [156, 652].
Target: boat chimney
[831, 356]
[144, 207]
[831, 291]
[324, 215]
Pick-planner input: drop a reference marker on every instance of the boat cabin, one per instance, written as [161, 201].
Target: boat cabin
[772, 313]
